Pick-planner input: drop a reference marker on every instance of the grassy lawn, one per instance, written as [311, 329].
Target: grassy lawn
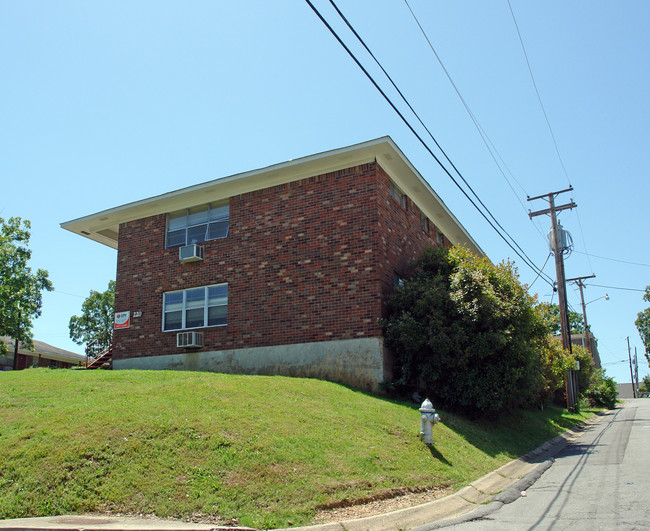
[265, 450]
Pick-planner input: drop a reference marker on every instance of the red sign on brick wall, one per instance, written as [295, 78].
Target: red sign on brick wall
[122, 320]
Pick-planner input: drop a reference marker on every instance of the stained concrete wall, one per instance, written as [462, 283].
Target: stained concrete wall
[359, 363]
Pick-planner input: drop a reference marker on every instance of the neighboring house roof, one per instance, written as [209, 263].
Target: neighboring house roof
[44, 350]
[103, 227]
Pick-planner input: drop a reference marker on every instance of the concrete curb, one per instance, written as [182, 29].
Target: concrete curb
[482, 497]
[86, 522]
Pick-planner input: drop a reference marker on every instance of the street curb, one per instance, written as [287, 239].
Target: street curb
[112, 523]
[481, 498]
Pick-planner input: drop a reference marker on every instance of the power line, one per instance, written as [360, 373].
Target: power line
[614, 259]
[66, 293]
[405, 100]
[521, 254]
[616, 287]
[484, 136]
[540, 271]
[548, 123]
[539, 98]
[584, 244]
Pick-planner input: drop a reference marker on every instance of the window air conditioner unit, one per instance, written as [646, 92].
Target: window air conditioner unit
[189, 339]
[190, 253]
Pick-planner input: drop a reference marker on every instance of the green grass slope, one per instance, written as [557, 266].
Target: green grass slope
[264, 450]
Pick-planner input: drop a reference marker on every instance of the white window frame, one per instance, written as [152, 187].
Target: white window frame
[185, 308]
[207, 215]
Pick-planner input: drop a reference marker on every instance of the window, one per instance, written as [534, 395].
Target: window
[424, 222]
[440, 239]
[397, 194]
[195, 307]
[196, 225]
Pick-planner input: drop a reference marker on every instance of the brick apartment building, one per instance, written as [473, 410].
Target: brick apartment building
[281, 270]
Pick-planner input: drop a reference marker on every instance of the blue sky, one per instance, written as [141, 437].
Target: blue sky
[104, 103]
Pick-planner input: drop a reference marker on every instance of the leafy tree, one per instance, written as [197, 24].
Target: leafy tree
[645, 385]
[465, 331]
[551, 315]
[643, 325]
[555, 362]
[95, 325]
[603, 390]
[587, 370]
[20, 287]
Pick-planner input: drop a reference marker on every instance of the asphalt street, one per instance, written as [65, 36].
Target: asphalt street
[598, 482]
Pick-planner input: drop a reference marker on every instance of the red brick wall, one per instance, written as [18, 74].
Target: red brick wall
[299, 262]
[402, 237]
[306, 261]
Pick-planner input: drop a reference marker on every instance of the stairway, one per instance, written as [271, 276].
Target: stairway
[104, 360]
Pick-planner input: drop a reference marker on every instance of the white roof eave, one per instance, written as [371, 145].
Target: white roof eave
[103, 227]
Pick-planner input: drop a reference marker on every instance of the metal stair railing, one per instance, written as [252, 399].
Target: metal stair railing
[103, 358]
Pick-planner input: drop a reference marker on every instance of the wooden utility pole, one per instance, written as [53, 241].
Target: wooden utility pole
[578, 281]
[561, 281]
[629, 355]
[636, 373]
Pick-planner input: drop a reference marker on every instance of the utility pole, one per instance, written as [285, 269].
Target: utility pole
[629, 355]
[636, 373]
[561, 281]
[578, 281]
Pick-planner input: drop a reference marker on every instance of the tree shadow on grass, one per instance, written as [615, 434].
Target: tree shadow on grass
[513, 433]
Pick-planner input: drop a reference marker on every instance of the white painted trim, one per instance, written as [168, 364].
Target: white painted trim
[103, 226]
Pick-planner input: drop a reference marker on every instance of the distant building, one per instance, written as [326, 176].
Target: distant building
[582, 340]
[43, 355]
[625, 390]
[282, 270]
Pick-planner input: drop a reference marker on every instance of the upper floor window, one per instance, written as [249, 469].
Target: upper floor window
[397, 194]
[424, 222]
[196, 225]
[195, 307]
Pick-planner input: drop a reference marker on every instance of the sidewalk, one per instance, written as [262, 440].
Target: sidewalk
[504, 485]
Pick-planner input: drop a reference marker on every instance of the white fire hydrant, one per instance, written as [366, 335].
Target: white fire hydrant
[428, 419]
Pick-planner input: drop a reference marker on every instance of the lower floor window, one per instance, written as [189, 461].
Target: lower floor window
[195, 307]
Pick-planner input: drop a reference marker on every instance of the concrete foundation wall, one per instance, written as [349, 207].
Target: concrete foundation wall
[356, 362]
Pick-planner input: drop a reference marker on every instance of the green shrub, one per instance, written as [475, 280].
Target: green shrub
[587, 375]
[604, 393]
[464, 331]
[555, 362]
[645, 385]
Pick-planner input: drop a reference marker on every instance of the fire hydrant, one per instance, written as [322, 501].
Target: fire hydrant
[428, 419]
